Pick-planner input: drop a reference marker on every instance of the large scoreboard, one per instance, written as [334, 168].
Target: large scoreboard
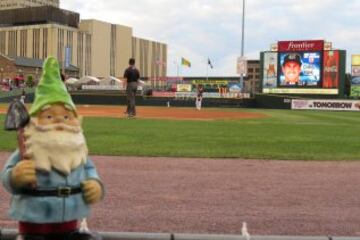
[303, 67]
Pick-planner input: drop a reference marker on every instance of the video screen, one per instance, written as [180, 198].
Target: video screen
[331, 69]
[300, 69]
[270, 70]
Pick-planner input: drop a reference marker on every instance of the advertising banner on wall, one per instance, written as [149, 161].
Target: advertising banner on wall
[234, 87]
[301, 46]
[355, 71]
[241, 66]
[330, 105]
[355, 75]
[331, 69]
[355, 60]
[210, 81]
[192, 95]
[183, 87]
[163, 94]
[270, 70]
[328, 46]
[355, 86]
[319, 91]
[102, 87]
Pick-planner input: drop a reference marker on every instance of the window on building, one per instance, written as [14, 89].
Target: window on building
[12, 41]
[45, 43]
[133, 49]
[164, 60]
[23, 43]
[88, 55]
[36, 43]
[70, 43]
[146, 58]
[80, 52]
[113, 50]
[60, 49]
[2, 42]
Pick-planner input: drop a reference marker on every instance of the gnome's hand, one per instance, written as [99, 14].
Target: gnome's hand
[23, 174]
[91, 191]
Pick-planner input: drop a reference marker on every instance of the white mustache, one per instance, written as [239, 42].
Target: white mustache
[55, 126]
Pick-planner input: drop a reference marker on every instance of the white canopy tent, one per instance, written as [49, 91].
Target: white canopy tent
[87, 80]
[112, 81]
[71, 81]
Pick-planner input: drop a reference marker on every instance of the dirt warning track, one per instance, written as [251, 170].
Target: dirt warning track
[184, 195]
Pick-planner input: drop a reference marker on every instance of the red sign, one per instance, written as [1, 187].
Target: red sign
[331, 69]
[163, 94]
[300, 46]
[166, 79]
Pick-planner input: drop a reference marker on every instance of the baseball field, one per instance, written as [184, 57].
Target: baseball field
[181, 170]
[214, 133]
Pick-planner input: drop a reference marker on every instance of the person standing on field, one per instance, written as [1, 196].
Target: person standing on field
[23, 96]
[199, 97]
[132, 76]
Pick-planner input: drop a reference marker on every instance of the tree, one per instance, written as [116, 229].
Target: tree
[29, 81]
[347, 91]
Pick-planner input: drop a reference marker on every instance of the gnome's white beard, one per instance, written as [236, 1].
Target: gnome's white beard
[62, 150]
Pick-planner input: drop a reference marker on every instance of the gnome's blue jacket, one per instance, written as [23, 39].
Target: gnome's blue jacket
[49, 209]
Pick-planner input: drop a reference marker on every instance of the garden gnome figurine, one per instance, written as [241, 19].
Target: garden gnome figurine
[55, 183]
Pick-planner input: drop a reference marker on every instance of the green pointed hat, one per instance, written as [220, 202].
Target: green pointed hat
[51, 88]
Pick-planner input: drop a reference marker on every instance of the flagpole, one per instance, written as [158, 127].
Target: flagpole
[242, 44]
[180, 72]
[177, 68]
[207, 69]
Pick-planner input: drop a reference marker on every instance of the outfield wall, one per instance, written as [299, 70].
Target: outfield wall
[161, 101]
[111, 98]
[267, 101]
[276, 101]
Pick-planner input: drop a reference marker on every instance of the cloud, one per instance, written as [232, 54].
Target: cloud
[198, 29]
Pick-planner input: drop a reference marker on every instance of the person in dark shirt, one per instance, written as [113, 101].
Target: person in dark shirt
[132, 76]
[62, 76]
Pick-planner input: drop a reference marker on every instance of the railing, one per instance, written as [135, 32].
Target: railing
[15, 92]
[10, 234]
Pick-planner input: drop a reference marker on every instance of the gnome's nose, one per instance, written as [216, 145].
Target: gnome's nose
[59, 119]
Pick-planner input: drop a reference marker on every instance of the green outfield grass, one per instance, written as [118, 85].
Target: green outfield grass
[285, 134]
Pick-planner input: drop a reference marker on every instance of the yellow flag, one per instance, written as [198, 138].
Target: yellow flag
[185, 62]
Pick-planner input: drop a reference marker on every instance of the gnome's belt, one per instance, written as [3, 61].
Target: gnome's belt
[52, 192]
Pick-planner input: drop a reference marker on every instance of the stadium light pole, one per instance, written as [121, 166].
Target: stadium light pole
[242, 43]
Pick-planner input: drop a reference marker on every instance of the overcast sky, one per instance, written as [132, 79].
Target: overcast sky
[198, 29]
